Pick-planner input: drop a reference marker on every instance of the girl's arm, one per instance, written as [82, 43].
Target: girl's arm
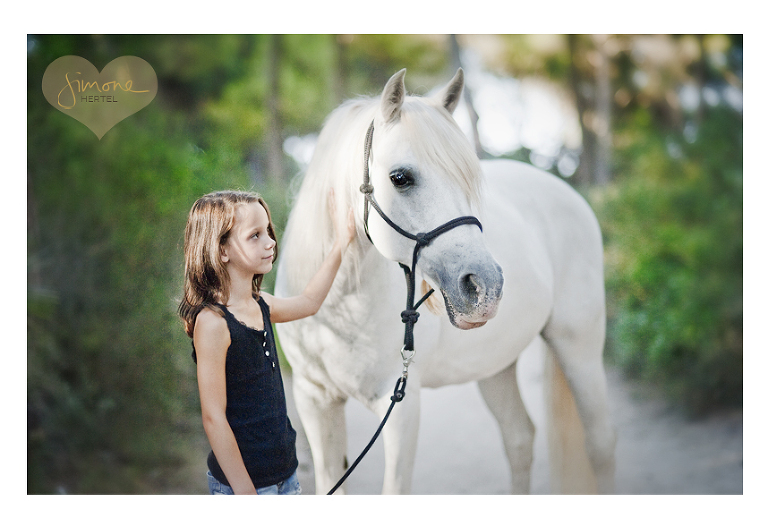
[310, 300]
[212, 340]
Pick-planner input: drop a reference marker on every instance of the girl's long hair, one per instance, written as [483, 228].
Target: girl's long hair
[206, 280]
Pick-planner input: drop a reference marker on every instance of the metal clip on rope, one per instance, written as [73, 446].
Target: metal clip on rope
[407, 356]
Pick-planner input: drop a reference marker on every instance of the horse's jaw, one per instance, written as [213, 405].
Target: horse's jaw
[473, 320]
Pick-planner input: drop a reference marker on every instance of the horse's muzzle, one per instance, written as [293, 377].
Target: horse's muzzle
[475, 298]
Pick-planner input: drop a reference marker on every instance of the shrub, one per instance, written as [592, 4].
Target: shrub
[674, 253]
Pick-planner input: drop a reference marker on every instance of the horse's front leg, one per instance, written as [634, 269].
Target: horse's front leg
[324, 421]
[400, 436]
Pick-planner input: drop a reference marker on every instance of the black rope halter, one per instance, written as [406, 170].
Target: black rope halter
[410, 315]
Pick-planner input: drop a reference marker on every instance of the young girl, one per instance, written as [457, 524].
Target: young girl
[229, 245]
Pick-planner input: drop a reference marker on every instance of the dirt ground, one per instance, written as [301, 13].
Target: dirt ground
[659, 451]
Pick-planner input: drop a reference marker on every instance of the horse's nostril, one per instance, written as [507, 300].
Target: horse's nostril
[472, 288]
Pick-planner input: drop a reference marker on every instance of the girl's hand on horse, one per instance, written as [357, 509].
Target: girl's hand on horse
[343, 224]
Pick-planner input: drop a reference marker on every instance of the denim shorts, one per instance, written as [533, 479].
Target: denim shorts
[289, 486]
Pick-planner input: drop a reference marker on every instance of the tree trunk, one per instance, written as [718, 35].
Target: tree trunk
[274, 137]
[342, 69]
[603, 102]
[579, 86]
[590, 79]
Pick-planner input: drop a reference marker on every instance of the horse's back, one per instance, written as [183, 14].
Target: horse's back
[530, 199]
[536, 192]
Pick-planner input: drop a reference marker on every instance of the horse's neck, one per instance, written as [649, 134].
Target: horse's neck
[361, 270]
[340, 141]
[369, 294]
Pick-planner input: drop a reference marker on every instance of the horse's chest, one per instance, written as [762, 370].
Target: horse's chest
[345, 345]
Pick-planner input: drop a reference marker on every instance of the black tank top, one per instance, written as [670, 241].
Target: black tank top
[256, 408]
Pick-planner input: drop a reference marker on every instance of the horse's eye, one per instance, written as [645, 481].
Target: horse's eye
[401, 178]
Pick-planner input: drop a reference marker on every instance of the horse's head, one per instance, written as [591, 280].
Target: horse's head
[425, 174]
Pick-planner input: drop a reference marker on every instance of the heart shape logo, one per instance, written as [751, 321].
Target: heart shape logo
[74, 86]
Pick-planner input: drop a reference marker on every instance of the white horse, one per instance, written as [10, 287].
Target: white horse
[535, 229]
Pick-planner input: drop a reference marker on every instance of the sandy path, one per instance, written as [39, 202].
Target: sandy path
[460, 451]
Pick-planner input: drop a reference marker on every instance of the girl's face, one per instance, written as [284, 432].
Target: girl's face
[249, 250]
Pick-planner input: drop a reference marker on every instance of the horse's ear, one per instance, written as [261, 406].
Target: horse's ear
[393, 96]
[450, 95]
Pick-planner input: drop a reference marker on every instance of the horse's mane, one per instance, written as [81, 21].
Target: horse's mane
[337, 163]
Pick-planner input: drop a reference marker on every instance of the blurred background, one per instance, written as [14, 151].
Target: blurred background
[648, 128]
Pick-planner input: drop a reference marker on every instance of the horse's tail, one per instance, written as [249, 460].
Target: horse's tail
[570, 471]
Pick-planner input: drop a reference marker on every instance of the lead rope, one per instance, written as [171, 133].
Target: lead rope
[396, 397]
[410, 315]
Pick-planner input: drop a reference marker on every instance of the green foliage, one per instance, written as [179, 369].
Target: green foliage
[373, 59]
[535, 55]
[673, 230]
[237, 120]
[111, 392]
[306, 80]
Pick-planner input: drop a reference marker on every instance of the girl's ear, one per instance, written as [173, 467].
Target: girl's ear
[223, 253]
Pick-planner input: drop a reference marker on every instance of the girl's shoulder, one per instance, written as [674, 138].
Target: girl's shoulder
[211, 313]
[210, 325]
